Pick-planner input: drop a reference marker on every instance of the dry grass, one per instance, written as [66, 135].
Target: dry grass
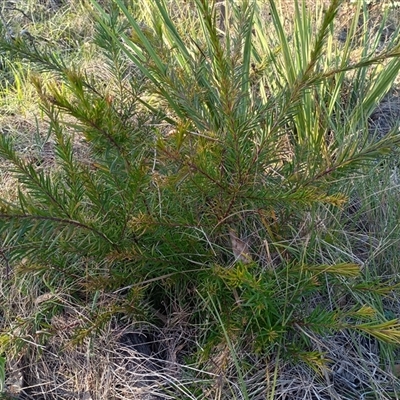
[107, 367]
[131, 361]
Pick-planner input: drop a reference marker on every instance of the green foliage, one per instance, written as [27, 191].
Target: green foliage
[2, 373]
[193, 135]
